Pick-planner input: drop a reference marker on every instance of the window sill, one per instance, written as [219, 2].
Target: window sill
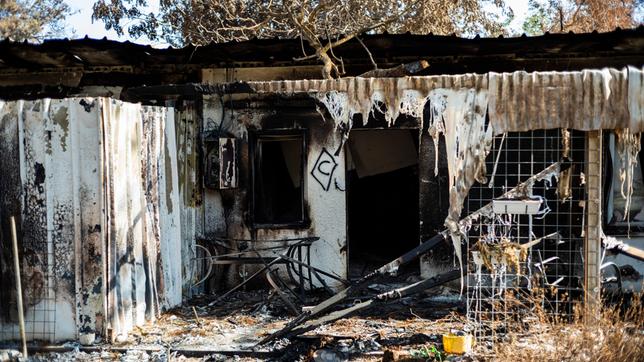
[622, 230]
[292, 225]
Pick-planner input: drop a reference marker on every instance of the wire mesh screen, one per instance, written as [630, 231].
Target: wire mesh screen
[37, 264]
[549, 273]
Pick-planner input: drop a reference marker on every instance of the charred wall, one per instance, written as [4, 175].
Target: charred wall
[10, 201]
[228, 213]
[84, 179]
[433, 199]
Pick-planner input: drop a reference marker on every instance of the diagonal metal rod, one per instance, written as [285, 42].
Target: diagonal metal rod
[391, 267]
[238, 286]
[16, 266]
[395, 294]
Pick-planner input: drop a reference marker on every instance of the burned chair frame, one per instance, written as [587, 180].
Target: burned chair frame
[295, 255]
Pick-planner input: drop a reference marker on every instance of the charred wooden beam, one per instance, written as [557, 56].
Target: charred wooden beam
[621, 247]
[402, 70]
[186, 90]
[392, 267]
[392, 295]
[36, 91]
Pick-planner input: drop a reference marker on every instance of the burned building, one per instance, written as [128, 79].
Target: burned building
[141, 176]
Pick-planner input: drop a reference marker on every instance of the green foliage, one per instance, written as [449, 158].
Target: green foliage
[201, 21]
[537, 22]
[32, 20]
[560, 16]
[430, 353]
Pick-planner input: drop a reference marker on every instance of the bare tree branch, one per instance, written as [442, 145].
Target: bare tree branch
[375, 66]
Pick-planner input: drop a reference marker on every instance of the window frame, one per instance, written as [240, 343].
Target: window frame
[278, 134]
[616, 227]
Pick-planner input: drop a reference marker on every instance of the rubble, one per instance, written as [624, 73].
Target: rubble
[234, 329]
[409, 330]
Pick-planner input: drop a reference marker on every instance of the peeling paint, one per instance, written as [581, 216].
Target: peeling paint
[628, 148]
[61, 119]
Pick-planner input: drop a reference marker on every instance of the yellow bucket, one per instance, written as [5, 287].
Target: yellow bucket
[457, 344]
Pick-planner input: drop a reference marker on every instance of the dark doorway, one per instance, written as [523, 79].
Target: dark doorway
[382, 197]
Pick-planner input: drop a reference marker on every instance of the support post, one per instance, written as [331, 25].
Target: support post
[593, 232]
[16, 266]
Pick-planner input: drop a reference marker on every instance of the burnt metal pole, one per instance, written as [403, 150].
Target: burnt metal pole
[385, 297]
[391, 267]
[16, 266]
[593, 233]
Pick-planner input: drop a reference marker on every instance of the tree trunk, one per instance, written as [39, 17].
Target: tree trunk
[329, 66]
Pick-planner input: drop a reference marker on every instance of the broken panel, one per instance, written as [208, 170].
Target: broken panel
[222, 170]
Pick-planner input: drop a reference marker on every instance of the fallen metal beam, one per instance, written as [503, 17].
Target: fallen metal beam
[382, 298]
[392, 267]
[621, 247]
[238, 286]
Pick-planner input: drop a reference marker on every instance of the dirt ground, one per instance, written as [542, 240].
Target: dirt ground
[231, 329]
[407, 329]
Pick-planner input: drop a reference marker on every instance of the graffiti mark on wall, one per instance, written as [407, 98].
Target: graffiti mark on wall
[324, 168]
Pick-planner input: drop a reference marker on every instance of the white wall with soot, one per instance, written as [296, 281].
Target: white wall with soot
[225, 212]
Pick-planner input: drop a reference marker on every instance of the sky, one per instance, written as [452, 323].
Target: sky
[81, 22]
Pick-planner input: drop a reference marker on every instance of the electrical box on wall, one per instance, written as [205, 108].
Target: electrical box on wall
[221, 168]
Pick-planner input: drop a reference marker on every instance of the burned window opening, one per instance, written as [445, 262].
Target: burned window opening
[614, 202]
[278, 164]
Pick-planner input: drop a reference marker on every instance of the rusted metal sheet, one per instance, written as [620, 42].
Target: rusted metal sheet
[586, 100]
[518, 101]
[90, 189]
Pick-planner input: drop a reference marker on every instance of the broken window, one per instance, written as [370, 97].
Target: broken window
[277, 160]
[616, 203]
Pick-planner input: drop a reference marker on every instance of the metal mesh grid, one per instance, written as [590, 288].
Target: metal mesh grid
[39, 292]
[553, 268]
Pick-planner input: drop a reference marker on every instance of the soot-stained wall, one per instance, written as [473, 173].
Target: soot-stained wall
[227, 211]
[90, 181]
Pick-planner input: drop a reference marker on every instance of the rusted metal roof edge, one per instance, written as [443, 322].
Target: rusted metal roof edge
[590, 99]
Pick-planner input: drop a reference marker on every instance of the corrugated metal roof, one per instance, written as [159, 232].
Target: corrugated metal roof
[60, 68]
[518, 101]
[104, 52]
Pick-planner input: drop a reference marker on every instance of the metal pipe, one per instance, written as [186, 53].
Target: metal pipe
[16, 266]
[266, 267]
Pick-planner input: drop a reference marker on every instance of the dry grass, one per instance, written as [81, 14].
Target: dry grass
[613, 333]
